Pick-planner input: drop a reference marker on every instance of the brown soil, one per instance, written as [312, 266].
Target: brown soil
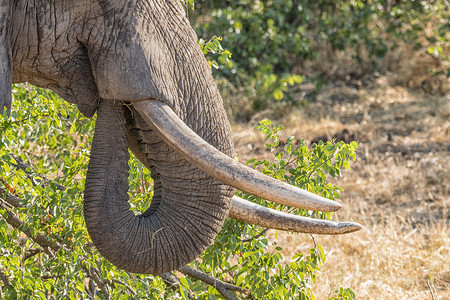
[398, 188]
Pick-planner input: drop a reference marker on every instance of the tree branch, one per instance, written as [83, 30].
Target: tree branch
[129, 288]
[6, 200]
[39, 238]
[102, 285]
[23, 166]
[7, 283]
[171, 280]
[31, 252]
[10, 199]
[222, 287]
[256, 236]
[15, 201]
[174, 282]
[5, 279]
[314, 241]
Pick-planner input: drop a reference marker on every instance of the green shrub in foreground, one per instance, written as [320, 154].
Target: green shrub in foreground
[49, 254]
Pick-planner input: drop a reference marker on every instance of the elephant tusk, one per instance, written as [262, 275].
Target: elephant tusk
[193, 148]
[253, 213]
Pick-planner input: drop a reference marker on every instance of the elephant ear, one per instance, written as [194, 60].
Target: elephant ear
[5, 54]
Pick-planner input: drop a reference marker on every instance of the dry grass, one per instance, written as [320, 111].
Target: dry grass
[398, 189]
[390, 259]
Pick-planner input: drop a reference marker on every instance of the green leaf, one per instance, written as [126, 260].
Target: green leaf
[183, 292]
[184, 282]
[278, 94]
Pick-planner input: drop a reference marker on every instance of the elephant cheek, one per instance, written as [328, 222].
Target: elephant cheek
[135, 69]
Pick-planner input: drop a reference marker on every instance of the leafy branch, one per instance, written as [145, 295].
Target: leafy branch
[6, 199]
[46, 249]
[222, 287]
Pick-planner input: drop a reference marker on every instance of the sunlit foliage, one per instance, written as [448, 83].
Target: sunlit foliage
[46, 252]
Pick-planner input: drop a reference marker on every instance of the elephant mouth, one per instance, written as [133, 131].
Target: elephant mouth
[193, 191]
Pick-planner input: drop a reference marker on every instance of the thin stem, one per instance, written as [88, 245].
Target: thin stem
[129, 288]
[31, 253]
[23, 166]
[256, 236]
[174, 282]
[431, 290]
[5, 279]
[102, 285]
[10, 199]
[17, 223]
[222, 287]
[314, 241]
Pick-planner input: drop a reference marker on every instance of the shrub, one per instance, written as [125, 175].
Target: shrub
[46, 253]
[270, 39]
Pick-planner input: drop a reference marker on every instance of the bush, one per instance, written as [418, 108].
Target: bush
[46, 253]
[271, 39]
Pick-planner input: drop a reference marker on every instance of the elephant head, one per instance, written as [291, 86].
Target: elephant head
[138, 64]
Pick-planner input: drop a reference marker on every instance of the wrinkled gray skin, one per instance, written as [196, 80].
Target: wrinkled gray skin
[102, 55]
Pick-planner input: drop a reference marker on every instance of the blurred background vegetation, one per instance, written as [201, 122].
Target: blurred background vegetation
[283, 51]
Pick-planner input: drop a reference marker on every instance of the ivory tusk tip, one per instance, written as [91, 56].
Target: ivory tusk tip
[314, 202]
[348, 227]
[335, 206]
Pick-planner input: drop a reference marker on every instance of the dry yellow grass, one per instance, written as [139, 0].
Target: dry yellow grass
[389, 259]
[398, 189]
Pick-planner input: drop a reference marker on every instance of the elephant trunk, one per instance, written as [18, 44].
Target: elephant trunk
[188, 207]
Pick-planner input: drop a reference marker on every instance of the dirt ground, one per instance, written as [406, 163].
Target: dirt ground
[398, 188]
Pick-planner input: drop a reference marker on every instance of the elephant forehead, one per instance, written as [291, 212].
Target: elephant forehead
[145, 51]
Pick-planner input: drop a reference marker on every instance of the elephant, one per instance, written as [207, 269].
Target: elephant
[138, 65]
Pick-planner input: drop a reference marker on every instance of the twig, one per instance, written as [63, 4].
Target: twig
[256, 236]
[129, 288]
[17, 223]
[7, 199]
[171, 280]
[174, 282]
[222, 287]
[90, 288]
[7, 283]
[22, 166]
[14, 201]
[31, 252]
[42, 240]
[102, 285]
[5, 279]
[10, 199]
[431, 290]
[314, 241]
